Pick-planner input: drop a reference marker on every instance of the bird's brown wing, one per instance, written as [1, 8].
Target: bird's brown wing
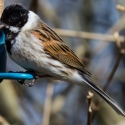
[57, 49]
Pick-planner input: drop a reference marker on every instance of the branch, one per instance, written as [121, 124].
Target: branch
[47, 105]
[3, 121]
[118, 59]
[108, 81]
[1, 6]
[120, 7]
[89, 97]
[34, 6]
[88, 35]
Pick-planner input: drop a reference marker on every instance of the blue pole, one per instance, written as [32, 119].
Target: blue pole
[16, 75]
[2, 53]
[3, 73]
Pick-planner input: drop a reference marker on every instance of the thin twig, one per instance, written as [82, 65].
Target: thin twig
[118, 26]
[108, 81]
[89, 97]
[120, 7]
[27, 111]
[1, 6]
[48, 104]
[23, 102]
[87, 35]
[3, 121]
[34, 5]
[118, 59]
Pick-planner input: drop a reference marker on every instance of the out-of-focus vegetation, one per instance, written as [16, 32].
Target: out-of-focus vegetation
[60, 103]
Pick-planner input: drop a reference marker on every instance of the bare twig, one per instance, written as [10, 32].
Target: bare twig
[108, 81]
[120, 7]
[89, 97]
[27, 111]
[3, 121]
[116, 27]
[1, 6]
[118, 59]
[48, 104]
[87, 35]
[34, 5]
[23, 102]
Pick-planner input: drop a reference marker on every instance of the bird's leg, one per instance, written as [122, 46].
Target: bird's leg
[22, 81]
[35, 77]
[32, 82]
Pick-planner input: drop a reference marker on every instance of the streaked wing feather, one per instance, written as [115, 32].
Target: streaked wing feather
[59, 50]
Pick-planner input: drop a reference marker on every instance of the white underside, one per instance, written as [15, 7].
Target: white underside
[28, 53]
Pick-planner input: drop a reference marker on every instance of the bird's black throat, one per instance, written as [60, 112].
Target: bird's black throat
[14, 17]
[9, 37]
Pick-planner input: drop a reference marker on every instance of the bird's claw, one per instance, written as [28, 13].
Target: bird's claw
[28, 84]
[1, 80]
[31, 83]
[22, 81]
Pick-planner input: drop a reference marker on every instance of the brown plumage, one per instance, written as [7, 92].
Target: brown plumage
[56, 48]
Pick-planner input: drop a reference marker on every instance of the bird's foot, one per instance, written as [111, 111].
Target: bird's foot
[31, 83]
[22, 81]
[1, 80]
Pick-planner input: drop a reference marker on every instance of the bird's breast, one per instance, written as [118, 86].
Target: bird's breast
[29, 53]
[26, 50]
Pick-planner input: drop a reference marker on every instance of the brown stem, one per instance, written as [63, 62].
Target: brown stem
[34, 6]
[47, 105]
[89, 118]
[87, 35]
[108, 81]
[3, 121]
[1, 6]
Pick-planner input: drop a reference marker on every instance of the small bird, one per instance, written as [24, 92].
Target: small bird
[37, 48]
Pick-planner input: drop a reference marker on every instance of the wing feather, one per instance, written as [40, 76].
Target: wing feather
[57, 49]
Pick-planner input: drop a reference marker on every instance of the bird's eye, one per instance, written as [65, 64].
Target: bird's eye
[11, 19]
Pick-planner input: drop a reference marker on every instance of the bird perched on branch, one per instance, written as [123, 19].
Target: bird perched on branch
[37, 48]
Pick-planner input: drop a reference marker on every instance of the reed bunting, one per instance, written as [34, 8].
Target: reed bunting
[37, 48]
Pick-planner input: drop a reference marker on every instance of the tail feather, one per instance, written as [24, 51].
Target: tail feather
[110, 101]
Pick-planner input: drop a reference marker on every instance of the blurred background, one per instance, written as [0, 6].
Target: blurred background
[60, 103]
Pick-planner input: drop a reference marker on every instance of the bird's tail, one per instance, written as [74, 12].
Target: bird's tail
[108, 99]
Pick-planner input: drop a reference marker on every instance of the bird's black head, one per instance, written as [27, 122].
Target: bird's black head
[15, 15]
